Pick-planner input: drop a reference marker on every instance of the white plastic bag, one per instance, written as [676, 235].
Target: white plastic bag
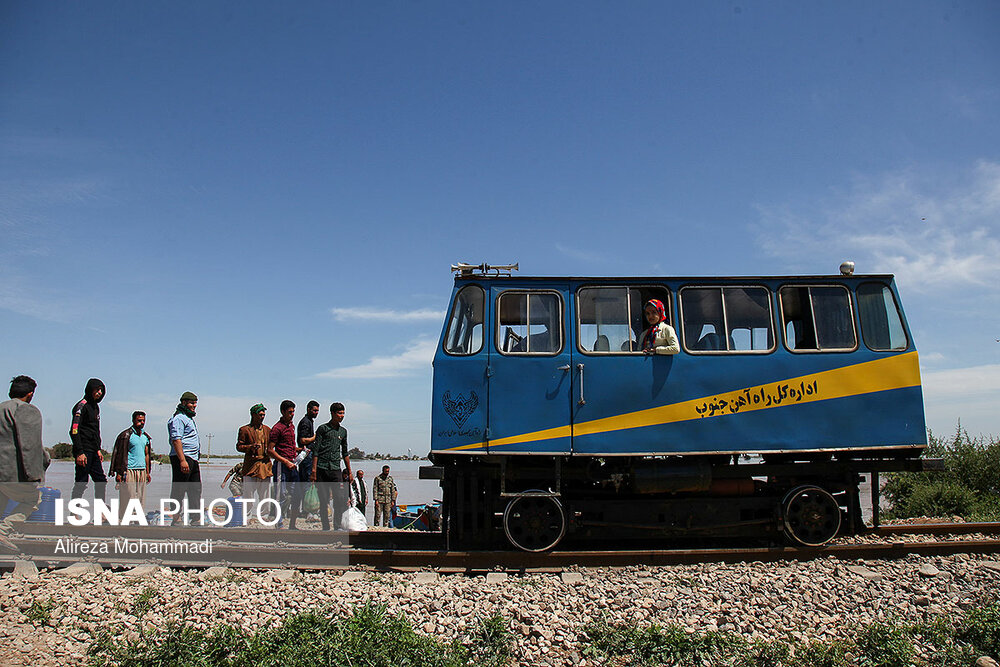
[353, 519]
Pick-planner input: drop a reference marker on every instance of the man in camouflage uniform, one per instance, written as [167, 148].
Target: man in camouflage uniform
[384, 493]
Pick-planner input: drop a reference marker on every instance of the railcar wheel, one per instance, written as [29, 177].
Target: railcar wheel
[534, 523]
[811, 516]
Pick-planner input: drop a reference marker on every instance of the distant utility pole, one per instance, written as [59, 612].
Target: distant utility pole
[208, 457]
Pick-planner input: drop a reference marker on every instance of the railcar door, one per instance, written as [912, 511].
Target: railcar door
[614, 380]
[458, 410]
[530, 372]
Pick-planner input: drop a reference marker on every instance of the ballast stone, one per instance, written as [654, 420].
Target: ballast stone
[79, 570]
[864, 572]
[214, 572]
[25, 569]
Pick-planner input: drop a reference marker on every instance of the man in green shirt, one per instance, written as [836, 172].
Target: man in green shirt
[329, 447]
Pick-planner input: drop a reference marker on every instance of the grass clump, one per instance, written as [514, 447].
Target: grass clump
[942, 643]
[39, 612]
[980, 628]
[491, 643]
[968, 487]
[824, 654]
[885, 645]
[656, 645]
[369, 636]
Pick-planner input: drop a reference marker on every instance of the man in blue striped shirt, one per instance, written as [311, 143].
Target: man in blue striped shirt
[185, 450]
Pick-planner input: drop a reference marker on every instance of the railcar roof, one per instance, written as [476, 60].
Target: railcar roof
[828, 276]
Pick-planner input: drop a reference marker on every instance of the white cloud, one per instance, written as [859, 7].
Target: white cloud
[930, 231]
[963, 383]
[418, 355]
[383, 315]
[21, 295]
[930, 359]
[967, 394]
[581, 255]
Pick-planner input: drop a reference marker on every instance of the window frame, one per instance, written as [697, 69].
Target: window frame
[451, 313]
[628, 286]
[899, 316]
[812, 312]
[725, 319]
[530, 292]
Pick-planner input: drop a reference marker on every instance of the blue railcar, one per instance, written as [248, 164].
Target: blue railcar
[549, 420]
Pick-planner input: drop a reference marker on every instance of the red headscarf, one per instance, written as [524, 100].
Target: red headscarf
[650, 337]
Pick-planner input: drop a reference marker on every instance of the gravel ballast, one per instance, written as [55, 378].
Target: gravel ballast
[821, 599]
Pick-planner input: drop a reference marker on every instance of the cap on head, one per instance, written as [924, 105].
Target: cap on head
[189, 396]
[257, 408]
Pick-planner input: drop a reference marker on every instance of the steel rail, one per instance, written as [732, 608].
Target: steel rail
[333, 557]
[964, 528]
[384, 539]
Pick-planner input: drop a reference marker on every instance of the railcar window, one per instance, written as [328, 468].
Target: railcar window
[529, 323]
[727, 319]
[817, 318]
[610, 319]
[881, 324]
[465, 326]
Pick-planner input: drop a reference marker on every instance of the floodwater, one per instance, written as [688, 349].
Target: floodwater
[412, 490]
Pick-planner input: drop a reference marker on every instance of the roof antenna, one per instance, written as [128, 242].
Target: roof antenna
[465, 269]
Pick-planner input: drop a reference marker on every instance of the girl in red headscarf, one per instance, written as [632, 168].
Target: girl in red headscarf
[659, 338]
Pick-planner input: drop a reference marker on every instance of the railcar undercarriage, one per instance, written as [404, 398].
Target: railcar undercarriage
[534, 503]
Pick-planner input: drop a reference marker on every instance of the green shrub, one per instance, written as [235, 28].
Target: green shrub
[938, 499]
[969, 486]
[61, 450]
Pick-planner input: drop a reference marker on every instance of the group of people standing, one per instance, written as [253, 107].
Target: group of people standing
[282, 460]
[279, 461]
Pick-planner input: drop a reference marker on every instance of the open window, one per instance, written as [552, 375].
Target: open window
[465, 326]
[529, 323]
[881, 323]
[727, 319]
[817, 318]
[610, 319]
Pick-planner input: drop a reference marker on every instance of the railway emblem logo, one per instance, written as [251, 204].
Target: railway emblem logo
[460, 408]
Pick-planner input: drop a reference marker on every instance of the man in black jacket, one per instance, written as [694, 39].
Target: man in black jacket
[86, 436]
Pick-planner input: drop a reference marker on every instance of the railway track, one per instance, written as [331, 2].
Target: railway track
[55, 546]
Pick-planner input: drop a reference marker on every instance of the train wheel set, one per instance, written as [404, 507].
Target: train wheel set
[536, 505]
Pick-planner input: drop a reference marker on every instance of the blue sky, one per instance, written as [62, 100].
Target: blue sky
[256, 202]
